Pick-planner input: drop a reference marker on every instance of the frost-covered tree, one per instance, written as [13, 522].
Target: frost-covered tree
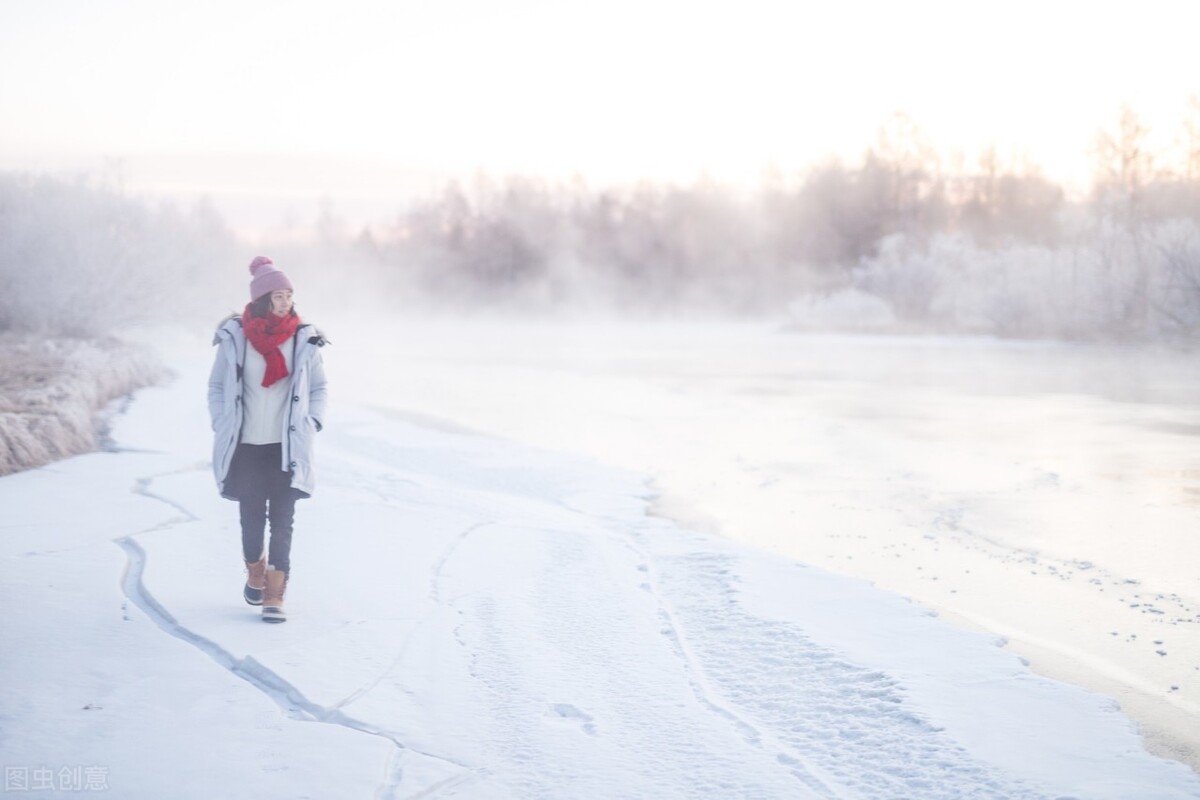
[78, 258]
[912, 184]
[1003, 202]
[1124, 166]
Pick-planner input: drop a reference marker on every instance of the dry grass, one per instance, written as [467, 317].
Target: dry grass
[52, 389]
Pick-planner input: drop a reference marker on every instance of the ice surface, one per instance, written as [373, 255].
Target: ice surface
[473, 617]
[1044, 492]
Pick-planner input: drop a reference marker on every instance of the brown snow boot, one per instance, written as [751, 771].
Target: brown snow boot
[256, 581]
[272, 601]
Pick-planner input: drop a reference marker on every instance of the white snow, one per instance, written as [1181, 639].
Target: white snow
[475, 617]
[1043, 492]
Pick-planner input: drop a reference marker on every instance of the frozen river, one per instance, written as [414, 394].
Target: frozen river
[472, 617]
[1047, 493]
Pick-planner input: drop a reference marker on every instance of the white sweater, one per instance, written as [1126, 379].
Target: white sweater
[263, 409]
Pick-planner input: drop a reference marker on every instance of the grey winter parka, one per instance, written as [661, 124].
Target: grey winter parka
[301, 421]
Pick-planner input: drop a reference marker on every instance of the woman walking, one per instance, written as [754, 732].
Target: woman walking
[266, 397]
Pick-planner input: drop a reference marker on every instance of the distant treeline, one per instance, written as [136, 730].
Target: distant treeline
[80, 259]
[899, 241]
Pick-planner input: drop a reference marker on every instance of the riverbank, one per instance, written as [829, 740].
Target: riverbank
[54, 391]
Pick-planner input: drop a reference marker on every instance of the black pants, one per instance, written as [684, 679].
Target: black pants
[264, 492]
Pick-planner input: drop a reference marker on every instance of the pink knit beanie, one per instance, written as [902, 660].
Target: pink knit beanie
[267, 277]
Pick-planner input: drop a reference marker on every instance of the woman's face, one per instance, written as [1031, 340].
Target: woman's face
[281, 302]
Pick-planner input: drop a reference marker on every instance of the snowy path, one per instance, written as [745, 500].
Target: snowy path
[471, 618]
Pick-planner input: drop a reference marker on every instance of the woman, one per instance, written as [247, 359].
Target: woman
[266, 401]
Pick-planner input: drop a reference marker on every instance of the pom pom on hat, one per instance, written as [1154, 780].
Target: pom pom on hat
[267, 277]
[258, 262]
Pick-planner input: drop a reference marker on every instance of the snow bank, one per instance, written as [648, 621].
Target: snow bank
[55, 388]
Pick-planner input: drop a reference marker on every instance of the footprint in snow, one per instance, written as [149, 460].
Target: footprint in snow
[570, 713]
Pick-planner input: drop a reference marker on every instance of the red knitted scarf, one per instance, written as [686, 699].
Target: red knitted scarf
[265, 334]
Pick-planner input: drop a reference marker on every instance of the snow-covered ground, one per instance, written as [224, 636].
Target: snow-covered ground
[1046, 493]
[476, 617]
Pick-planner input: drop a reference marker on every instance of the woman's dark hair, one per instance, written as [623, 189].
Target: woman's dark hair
[262, 306]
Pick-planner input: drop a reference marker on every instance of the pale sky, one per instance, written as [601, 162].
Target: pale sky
[364, 101]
